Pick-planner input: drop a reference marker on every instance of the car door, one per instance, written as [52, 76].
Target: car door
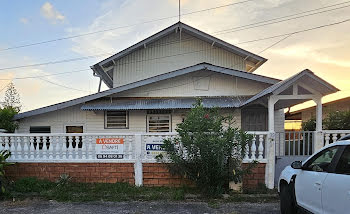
[308, 183]
[336, 187]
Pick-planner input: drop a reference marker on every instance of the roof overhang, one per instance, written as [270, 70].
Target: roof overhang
[108, 62]
[162, 103]
[183, 71]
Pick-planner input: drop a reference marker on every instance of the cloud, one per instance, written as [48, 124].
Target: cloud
[24, 20]
[50, 13]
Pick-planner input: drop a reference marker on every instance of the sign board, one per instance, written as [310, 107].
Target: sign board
[154, 147]
[110, 148]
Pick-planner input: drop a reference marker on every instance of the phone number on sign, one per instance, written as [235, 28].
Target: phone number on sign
[110, 156]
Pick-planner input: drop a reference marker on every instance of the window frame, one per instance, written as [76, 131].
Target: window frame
[126, 120]
[333, 163]
[336, 165]
[150, 115]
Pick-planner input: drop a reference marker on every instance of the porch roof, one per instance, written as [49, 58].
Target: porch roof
[164, 103]
[306, 79]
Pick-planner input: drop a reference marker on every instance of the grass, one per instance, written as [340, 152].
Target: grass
[79, 192]
[32, 188]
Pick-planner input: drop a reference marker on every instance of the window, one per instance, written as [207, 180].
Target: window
[343, 166]
[322, 161]
[159, 123]
[116, 119]
[40, 129]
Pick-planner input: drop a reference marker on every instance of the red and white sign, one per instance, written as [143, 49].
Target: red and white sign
[110, 148]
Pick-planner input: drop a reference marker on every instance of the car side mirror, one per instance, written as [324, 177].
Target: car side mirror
[297, 165]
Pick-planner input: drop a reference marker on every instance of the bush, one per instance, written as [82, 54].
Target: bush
[4, 155]
[208, 151]
[309, 125]
[337, 120]
[6, 116]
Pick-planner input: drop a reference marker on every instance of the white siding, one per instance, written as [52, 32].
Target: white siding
[94, 122]
[168, 54]
[279, 120]
[201, 83]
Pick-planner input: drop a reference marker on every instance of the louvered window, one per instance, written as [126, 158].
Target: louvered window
[159, 123]
[116, 119]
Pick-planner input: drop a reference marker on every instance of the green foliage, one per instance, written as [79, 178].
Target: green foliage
[6, 119]
[208, 151]
[337, 120]
[78, 192]
[309, 125]
[64, 180]
[4, 155]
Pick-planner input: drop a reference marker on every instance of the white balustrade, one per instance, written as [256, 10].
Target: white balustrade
[63, 147]
[331, 136]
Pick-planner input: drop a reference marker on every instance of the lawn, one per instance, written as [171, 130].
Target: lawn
[29, 188]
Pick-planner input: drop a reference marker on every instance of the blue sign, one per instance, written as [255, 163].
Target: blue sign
[154, 147]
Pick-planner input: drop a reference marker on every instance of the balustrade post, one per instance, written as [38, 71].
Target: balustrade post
[12, 148]
[51, 145]
[253, 148]
[19, 148]
[1, 146]
[89, 148]
[57, 149]
[83, 147]
[326, 138]
[31, 147]
[261, 147]
[334, 137]
[25, 148]
[44, 149]
[63, 147]
[70, 147]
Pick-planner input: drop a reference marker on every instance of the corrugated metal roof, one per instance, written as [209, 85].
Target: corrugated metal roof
[168, 103]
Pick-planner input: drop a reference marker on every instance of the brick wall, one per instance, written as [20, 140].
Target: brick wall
[80, 172]
[256, 176]
[157, 174]
[154, 174]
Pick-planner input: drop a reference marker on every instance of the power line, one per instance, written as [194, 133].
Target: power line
[160, 19]
[119, 27]
[244, 42]
[63, 86]
[56, 74]
[283, 17]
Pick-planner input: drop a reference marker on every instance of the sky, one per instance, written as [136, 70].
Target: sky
[325, 51]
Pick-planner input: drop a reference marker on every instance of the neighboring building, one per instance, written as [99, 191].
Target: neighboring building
[295, 118]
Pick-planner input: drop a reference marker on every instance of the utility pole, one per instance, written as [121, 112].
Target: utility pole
[179, 10]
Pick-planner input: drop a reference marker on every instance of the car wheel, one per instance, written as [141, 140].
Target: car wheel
[287, 204]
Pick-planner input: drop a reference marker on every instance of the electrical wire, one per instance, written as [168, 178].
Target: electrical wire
[119, 27]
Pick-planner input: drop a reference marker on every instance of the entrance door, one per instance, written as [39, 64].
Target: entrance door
[254, 118]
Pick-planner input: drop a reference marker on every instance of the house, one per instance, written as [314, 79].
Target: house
[306, 114]
[152, 85]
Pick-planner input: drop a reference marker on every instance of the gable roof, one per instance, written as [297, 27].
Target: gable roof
[97, 68]
[198, 67]
[323, 87]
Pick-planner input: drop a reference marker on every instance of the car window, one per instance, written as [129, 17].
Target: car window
[343, 166]
[322, 161]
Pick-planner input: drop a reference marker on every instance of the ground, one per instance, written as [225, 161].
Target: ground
[161, 207]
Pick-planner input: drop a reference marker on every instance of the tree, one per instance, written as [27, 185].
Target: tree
[208, 150]
[336, 120]
[10, 107]
[12, 98]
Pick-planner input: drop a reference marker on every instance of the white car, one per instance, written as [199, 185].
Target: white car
[320, 184]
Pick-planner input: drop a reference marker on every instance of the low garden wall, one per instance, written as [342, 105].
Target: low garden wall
[154, 174]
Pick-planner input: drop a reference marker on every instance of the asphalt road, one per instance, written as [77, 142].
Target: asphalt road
[156, 207]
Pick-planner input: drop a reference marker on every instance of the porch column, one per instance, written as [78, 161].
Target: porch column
[270, 146]
[318, 143]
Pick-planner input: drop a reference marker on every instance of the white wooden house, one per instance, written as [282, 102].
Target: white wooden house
[152, 85]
